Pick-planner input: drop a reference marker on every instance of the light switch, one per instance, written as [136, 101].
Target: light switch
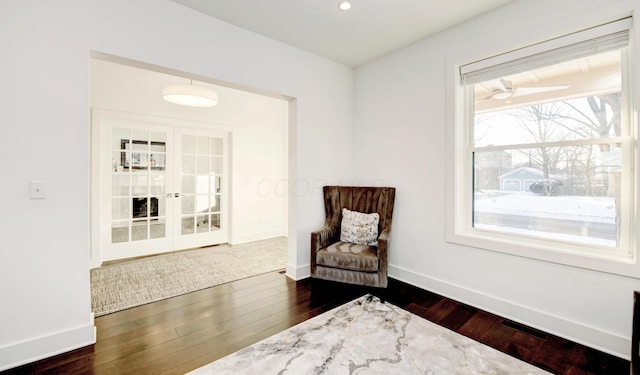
[37, 190]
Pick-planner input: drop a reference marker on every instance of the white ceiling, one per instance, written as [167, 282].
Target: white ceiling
[371, 29]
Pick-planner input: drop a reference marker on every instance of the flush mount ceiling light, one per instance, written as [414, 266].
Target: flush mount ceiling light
[344, 5]
[190, 95]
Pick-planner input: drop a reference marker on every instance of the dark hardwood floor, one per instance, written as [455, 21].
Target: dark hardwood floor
[180, 334]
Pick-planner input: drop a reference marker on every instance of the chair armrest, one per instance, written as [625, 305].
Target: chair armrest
[384, 235]
[383, 249]
[320, 238]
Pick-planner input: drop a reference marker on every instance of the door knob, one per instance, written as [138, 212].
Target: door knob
[177, 195]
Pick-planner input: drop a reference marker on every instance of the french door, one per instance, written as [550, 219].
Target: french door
[201, 188]
[161, 187]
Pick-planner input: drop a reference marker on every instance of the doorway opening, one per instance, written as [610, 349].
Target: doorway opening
[145, 192]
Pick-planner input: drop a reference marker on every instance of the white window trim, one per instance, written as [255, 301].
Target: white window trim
[458, 223]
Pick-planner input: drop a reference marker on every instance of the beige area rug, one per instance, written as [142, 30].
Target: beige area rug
[368, 336]
[124, 285]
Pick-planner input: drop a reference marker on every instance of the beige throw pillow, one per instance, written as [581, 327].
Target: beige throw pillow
[359, 228]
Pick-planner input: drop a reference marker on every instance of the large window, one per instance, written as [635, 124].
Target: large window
[546, 148]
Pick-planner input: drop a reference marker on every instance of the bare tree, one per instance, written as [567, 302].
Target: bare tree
[579, 167]
[538, 121]
[603, 116]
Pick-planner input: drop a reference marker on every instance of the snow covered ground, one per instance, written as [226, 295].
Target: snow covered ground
[591, 209]
[573, 208]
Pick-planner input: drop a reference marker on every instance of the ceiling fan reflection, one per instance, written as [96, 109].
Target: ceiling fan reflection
[505, 90]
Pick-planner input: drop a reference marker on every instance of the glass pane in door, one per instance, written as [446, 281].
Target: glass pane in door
[201, 175]
[138, 185]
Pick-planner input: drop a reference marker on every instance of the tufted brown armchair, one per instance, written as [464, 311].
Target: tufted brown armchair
[332, 259]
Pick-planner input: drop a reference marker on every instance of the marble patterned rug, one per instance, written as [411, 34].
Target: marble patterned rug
[367, 336]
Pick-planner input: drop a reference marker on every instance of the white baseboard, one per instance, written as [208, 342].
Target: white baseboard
[255, 236]
[592, 337]
[298, 273]
[20, 353]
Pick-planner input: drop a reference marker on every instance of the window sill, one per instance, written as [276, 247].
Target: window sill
[578, 256]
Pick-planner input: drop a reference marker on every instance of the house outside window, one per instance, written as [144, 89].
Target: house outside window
[545, 144]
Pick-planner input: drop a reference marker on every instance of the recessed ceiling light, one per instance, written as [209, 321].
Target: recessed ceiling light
[344, 5]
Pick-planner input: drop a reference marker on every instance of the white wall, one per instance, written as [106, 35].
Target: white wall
[400, 129]
[44, 109]
[399, 140]
[258, 124]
